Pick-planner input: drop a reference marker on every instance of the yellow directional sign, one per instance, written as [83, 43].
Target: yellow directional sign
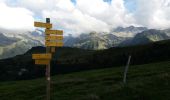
[57, 32]
[42, 56]
[42, 62]
[54, 44]
[54, 37]
[40, 24]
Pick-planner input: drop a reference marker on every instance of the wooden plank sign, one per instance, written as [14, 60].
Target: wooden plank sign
[56, 32]
[42, 56]
[40, 24]
[54, 44]
[42, 62]
[54, 37]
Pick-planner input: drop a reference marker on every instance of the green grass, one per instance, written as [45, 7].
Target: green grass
[144, 82]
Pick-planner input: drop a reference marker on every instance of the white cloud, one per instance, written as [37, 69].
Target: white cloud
[153, 13]
[37, 5]
[15, 18]
[83, 23]
[90, 15]
[92, 6]
[72, 19]
[87, 15]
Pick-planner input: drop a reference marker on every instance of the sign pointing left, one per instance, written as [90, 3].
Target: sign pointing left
[40, 24]
[42, 56]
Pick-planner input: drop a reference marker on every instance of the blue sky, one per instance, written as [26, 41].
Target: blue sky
[130, 5]
[74, 1]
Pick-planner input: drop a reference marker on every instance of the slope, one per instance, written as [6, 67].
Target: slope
[68, 60]
[145, 82]
[12, 44]
[146, 37]
[93, 41]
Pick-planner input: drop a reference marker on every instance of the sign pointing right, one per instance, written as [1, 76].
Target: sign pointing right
[56, 32]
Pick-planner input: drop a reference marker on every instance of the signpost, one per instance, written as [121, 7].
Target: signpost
[57, 44]
[42, 62]
[40, 24]
[42, 56]
[56, 32]
[52, 49]
[53, 38]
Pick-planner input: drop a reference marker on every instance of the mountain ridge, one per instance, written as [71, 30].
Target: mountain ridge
[145, 37]
[91, 41]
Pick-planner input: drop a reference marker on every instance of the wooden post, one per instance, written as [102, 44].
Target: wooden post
[48, 78]
[50, 42]
[126, 69]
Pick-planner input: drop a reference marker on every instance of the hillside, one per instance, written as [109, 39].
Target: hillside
[93, 41]
[130, 31]
[146, 37]
[12, 44]
[145, 82]
[68, 60]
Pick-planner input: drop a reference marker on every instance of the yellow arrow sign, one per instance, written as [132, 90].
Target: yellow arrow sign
[40, 24]
[54, 37]
[42, 62]
[42, 56]
[57, 32]
[54, 44]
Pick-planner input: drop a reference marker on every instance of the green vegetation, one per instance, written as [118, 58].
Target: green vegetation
[145, 82]
[67, 60]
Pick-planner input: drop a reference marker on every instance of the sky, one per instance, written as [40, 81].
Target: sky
[83, 16]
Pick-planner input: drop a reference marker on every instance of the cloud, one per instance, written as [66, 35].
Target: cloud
[73, 19]
[37, 6]
[153, 14]
[77, 22]
[89, 15]
[15, 18]
[84, 16]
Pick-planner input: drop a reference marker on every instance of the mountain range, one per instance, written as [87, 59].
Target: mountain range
[130, 31]
[145, 37]
[119, 37]
[12, 44]
[93, 41]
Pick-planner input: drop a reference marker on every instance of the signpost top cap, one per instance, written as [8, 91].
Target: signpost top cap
[48, 20]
